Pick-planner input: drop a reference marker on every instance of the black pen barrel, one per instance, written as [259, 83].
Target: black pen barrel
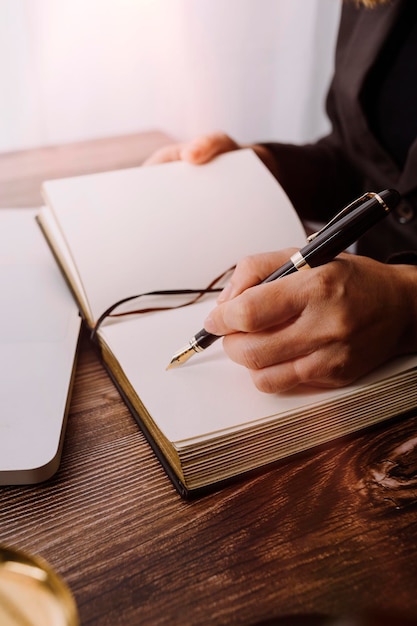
[343, 233]
[204, 339]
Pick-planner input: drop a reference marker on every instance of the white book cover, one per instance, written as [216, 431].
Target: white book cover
[39, 330]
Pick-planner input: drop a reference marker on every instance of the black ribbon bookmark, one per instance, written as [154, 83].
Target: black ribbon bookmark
[199, 293]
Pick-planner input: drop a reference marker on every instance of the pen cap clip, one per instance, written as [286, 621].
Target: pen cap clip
[347, 209]
[345, 230]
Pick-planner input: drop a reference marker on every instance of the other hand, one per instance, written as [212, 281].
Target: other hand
[204, 148]
[200, 150]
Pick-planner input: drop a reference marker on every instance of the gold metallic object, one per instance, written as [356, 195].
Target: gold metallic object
[32, 594]
[380, 200]
[183, 355]
[299, 262]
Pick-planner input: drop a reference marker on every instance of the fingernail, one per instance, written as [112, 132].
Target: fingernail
[210, 325]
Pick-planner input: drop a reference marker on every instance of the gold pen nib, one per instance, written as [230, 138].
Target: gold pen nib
[181, 357]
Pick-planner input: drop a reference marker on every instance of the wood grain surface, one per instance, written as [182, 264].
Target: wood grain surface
[330, 532]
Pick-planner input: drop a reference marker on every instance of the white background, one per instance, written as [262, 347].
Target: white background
[79, 69]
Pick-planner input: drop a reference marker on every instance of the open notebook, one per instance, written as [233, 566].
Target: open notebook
[39, 329]
[177, 226]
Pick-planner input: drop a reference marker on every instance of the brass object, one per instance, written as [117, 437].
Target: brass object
[32, 594]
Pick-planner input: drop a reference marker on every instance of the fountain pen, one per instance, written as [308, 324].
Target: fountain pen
[337, 235]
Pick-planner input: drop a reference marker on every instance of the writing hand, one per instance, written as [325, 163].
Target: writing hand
[323, 327]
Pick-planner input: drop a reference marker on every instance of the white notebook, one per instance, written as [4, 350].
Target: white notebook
[39, 330]
[175, 226]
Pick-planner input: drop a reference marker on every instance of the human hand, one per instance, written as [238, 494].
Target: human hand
[200, 150]
[204, 148]
[323, 327]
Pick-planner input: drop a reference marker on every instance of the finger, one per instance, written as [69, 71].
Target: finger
[273, 303]
[165, 155]
[277, 379]
[257, 351]
[258, 308]
[313, 360]
[324, 369]
[252, 270]
[255, 309]
[204, 148]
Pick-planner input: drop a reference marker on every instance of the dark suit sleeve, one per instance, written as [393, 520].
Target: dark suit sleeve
[321, 178]
[318, 178]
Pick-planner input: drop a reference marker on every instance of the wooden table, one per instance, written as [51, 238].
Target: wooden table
[330, 532]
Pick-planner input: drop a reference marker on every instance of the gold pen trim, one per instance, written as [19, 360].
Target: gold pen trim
[380, 200]
[347, 209]
[299, 262]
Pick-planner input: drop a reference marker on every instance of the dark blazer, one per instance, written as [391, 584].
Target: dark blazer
[320, 178]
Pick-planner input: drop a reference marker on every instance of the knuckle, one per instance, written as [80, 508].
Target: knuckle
[244, 351]
[247, 314]
[246, 264]
[339, 370]
[309, 370]
[212, 142]
[205, 141]
[321, 368]
[252, 357]
[303, 370]
[263, 382]
[325, 283]
[221, 138]
[273, 380]
[248, 269]
[329, 284]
